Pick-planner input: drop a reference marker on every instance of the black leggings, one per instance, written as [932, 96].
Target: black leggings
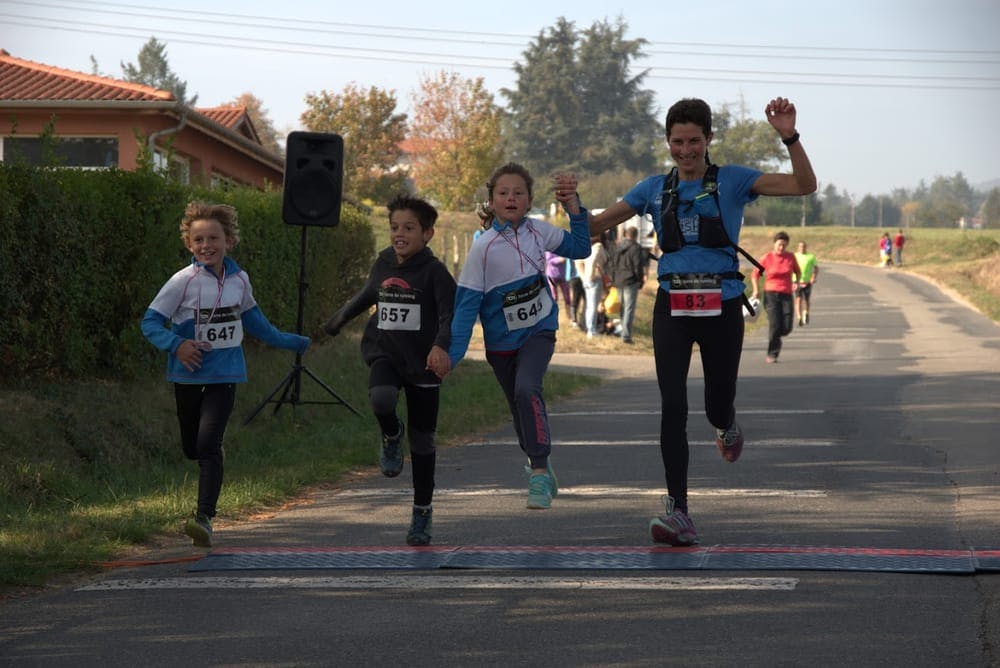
[780, 307]
[422, 404]
[720, 340]
[203, 412]
[576, 299]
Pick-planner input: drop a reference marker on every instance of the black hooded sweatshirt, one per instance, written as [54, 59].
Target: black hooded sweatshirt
[415, 302]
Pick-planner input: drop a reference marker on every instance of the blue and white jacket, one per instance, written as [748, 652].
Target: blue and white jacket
[503, 282]
[204, 307]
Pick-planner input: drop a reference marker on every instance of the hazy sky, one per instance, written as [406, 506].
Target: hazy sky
[889, 93]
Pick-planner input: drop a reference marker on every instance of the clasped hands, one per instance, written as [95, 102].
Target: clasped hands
[565, 188]
[438, 361]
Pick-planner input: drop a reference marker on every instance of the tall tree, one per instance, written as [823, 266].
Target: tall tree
[261, 119]
[153, 70]
[618, 112]
[544, 108]
[372, 132]
[456, 134]
[990, 211]
[738, 139]
[946, 201]
[836, 206]
[575, 89]
[866, 214]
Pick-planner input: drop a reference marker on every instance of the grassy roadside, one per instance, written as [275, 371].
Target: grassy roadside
[88, 470]
[961, 260]
[91, 469]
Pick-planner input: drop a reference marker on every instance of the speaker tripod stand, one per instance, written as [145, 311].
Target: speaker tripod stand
[291, 385]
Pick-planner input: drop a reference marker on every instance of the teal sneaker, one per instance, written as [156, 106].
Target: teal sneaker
[552, 474]
[420, 526]
[391, 457]
[540, 486]
[199, 528]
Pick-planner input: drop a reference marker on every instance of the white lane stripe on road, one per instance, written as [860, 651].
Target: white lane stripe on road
[767, 442]
[450, 582]
[752, 411]
[594, 491]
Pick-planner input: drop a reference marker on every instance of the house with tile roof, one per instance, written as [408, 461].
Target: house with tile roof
[102, 122]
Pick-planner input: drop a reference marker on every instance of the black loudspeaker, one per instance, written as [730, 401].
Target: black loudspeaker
[314, 178]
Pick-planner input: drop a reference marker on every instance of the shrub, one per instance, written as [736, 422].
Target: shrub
[84, 253]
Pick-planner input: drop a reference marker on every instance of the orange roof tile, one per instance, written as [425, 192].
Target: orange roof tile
[228, 116]
[234, 117]
[27, 80]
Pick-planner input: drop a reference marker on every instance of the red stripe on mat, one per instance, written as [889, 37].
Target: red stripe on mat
[611, 549]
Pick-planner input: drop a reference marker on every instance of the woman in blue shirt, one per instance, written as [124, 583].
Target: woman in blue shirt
[697, 211]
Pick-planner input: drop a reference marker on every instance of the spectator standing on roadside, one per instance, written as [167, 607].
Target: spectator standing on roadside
[575, 292]
[592, 269]
[885, 250]
[555, 271]
[897, 248]
[628, 274]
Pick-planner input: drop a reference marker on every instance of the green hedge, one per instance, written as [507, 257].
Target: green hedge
[84, 252]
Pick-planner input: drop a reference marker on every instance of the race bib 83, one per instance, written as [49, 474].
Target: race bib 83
[695, 295]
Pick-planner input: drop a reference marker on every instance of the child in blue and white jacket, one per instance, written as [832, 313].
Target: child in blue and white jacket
[503, 283]
[208, 306]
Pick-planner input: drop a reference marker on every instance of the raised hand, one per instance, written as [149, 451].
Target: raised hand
[565, 187]
[781, 115]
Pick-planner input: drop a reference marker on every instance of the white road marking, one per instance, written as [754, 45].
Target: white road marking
[423, 582]
[594, 491]
[761, 443]
[751, 411]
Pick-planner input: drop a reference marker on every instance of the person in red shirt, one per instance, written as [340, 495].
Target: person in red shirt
[781, 272]
[897, 248]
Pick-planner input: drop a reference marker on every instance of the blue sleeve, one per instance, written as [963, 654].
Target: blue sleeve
[467, 303]
[642, 196]
[576, 242]
[258, 326]
[155, 330]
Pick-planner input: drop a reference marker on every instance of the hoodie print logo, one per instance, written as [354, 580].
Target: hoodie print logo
[398, 307]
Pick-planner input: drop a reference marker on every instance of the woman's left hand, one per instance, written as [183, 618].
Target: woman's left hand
[781, 115]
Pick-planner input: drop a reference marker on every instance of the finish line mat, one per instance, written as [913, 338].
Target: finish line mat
[718, 558]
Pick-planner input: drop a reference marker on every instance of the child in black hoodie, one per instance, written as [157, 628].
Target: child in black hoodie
[405, 345]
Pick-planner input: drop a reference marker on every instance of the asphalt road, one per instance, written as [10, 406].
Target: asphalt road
[876, 432]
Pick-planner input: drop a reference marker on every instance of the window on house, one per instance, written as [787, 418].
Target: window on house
[175, 167]
[81, 152]
[223, 182]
